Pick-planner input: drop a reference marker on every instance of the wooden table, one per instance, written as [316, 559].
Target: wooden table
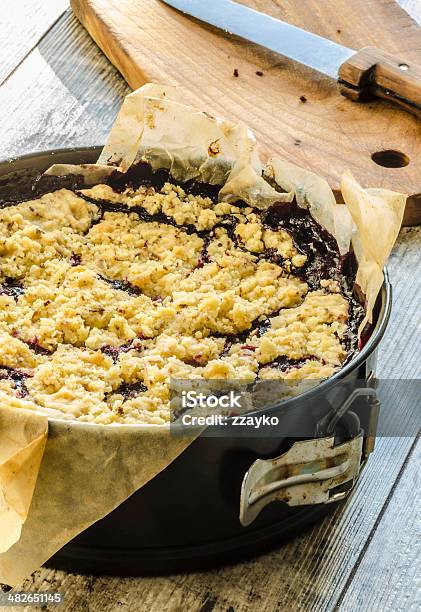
[57, 89]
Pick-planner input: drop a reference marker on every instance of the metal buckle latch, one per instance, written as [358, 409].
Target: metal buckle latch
[311, 472]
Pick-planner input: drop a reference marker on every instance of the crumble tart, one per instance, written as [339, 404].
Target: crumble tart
[108, 292]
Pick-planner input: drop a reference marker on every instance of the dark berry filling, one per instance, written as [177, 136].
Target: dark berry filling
[142, 175]
[17, 378]
[35, 345]
[75, 259]
[204, 255]
[121, 285]
[323, 260]
[131, 390]
[115, 351]
[284, 363]
[12, 288]
[106, 206]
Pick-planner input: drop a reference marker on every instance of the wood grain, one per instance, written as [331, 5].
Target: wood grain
[372, 73]
[399, 355]
[149, 41]
[66, 93]
[393, 555]
[27, 21]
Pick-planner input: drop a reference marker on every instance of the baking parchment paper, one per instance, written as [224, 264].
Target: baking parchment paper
[88, 470]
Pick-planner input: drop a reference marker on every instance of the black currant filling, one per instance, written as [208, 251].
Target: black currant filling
[34, 344]
[17, 378]
[130, 390]
[106, 206]
[122, 285]
[204, 255]
[115, 351]
[12, 288]
[323, 260]
[284, 363]
[142, 175]
[75, 259]
[260, 326]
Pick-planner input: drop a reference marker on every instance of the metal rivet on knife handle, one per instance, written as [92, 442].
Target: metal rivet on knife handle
[372, 73]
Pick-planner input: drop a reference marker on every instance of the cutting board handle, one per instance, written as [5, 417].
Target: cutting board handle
[372, 73]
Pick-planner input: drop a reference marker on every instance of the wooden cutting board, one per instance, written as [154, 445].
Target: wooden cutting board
[295, 112]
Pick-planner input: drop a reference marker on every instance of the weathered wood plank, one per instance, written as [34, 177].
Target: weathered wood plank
[388, 577]
[66, 93]
[22, 25]
[399, 350]
[413, 7]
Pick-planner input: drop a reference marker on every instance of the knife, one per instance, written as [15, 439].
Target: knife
[361, 75]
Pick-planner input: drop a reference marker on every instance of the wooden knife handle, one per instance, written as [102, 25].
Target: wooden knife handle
[372, 73]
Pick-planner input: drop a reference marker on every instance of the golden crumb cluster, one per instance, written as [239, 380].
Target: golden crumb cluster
[100, 305]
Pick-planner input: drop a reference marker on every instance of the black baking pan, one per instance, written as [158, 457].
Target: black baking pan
[187, 517]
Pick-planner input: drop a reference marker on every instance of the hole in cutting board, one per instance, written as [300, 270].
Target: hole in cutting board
[390, 158]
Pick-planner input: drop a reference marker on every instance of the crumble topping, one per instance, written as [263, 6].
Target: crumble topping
[105, 295]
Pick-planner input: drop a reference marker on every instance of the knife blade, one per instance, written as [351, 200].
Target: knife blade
[362, 75]
[303, 47]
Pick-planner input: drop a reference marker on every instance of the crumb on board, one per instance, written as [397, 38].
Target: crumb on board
[303, 99]
[236, 73]
[214, 149]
